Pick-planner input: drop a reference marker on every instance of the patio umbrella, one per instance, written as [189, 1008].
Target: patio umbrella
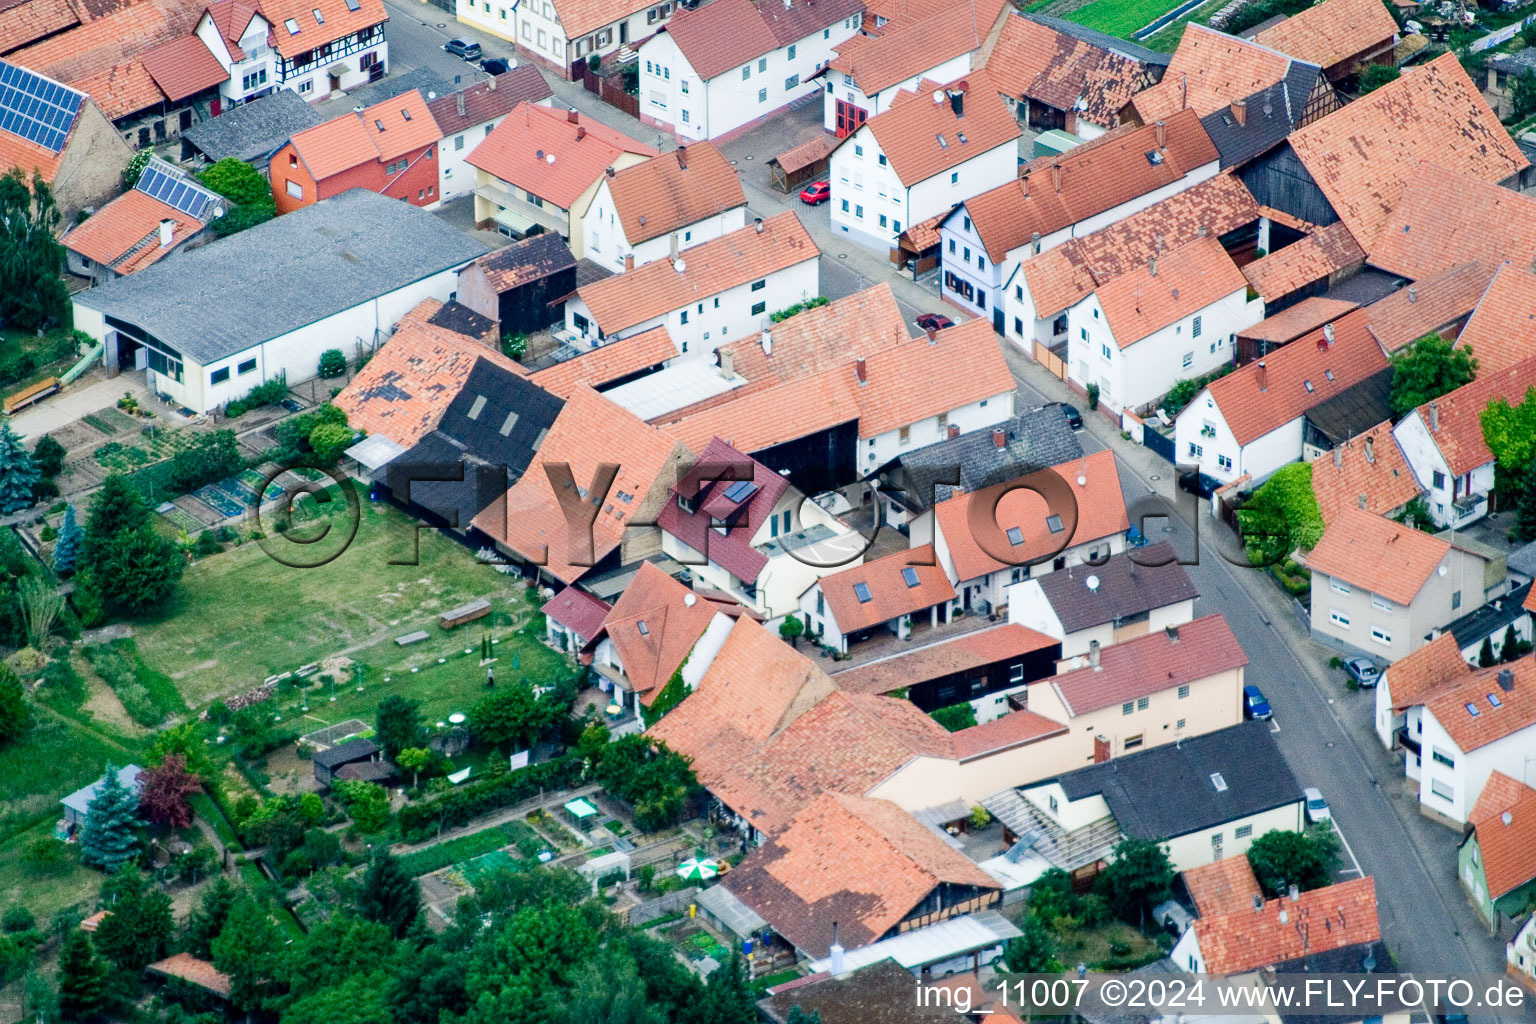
[695, 870]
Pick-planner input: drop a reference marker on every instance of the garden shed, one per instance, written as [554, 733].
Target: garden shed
[599, 868]
[582, 812]
[78, 803]
[806, 162]
[329, 761]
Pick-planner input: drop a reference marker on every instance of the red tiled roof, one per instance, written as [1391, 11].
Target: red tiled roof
[188, 968]
[1430, 304]
[1515, 711]
[123, 88]
[1363, 154]
[1292, 322]
[967, 651]
[1333, 31]
[391, 128]
[578, 611]
[1254, 399]
[1460, 434]
[580, 17]
[1061, 276]
[1140, 302]
[232, 18]
[608, 362]
[1369, 466]
[1425, 670]
[1014, 729]
[732, 551]
[914, 46]
[1315, 257]
[26, 22]
[653, 627]
[912, 388]
[819, 339]
[124, 234]
[183, 67]
[1376, 554]
[1112, 169]
[340, 21]
[520, 148]
[806, 154]
[1502, 329]
[721, 36]
[671, 191]
[1032, 60]
[963, 519]
[1222, 886]
[1445, 218]
[1209, 70]
[891, 593]
[1157, 661]
[922, 138]
[1244, 939]
[488, 100]
[1504, 818]
[635, 296]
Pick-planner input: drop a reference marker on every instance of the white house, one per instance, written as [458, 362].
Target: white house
[1443, 442]
[1030, 536]
[1173, 318]
[322, 46]
[1252, 420]
[1465, 732]
[218, 320]
[931, 150]
[1403, 685]
[715, 292]
[1076, 193]
[891, 594]
[558, 33]
[870, 72]
[1126, 596]
[237, 37]
[716, 69]
[1257, 933]
[468, 116]
[628, 224]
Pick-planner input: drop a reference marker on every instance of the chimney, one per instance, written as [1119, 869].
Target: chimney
[167, 232]
[572, 115]
[1093, 654]
[1258, 902]
[757, 224]
[999, 439]
[835, 954]
[1506, 680]
[1338, 455]
[629, 261]
[1370, 450]
[727, 362]
[682, 158]
[1328, 333]
[1056, 176]
[1263, 376]
[1284, 917]
[1024, 180]
[1162, 135]
[860, 370]
[672, 245]
[1202, 231]
[1434, 417]
[1294, 892]
[954, 430]
[1152, 265]
[767, 342]
[609, 171]
[933, 336]
[1413, 294]
[1240, 111]
[458, 102]
[1100, 749]
[1173, 633]
[1034, 238]
[581, 132]
[1364, 501]
[490, 84]
[957, 102]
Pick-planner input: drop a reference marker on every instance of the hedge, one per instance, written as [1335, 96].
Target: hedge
[420, 821]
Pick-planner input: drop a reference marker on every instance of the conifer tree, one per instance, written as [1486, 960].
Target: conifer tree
[82, 978]
[390, 895]
[66, 550]
[17, 472]
[107, 840]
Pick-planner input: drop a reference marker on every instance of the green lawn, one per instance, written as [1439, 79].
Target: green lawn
[47, 893]
[241, 616]
[1120, 17]
[52, 759]
[1166, 39]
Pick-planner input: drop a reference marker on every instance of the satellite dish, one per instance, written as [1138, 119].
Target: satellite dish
[1093, 582]
[550, 158]
[679, 266]
[1082, 480]
[938, 95]
[218, 211]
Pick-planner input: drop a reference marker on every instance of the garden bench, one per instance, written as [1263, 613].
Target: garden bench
[36, 393]
[477, 609]
[411, 638]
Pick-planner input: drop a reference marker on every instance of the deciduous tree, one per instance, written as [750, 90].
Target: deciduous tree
[1304, 859]
[140, 570]
[1139, 875]
[14, 714]
[167, 787]
[1427, 369]
[134, 934]
[397, 725]
[33, 295]
[246, 949]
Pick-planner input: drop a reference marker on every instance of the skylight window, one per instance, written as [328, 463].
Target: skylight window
[1053, 523]
[508, 423]
[1219, 782]
[405, 113]
[379, 124]
[319, 18]
[643, 628]
[1328, 374]
[909, 576]
[961, 137]
[354, 5]
[292, 26]
[861, 591]
[1308, 385]
[943, 143]
[476, 409]
[1493, 701]
[1472, 709]
[1015, 536]
[1154, 157]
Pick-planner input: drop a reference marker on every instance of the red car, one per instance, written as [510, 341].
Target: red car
[816, 193]
[934, 322]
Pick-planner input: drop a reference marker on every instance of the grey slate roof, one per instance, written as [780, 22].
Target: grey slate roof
[1169, 791]
[1035, 440]
[343, 753]
[1354, 410]
[1272, 114]
[1522, 560]
[1516, 63]
[253, 130]
[1103, 40]
[1490, 619]
[1120, 588]
[235, 293]
[429, 83]
[457, 317]
[80, 800]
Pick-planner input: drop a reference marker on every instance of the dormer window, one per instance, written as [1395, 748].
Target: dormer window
[686, 505]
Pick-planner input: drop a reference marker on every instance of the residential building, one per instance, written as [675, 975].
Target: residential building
[1382, 588]
[572, 618]
[1497, 860]
[1311, 265]
[1470, 727]
[541, 167]
[1443, 442]
[390, 148]
[656, 209]
[1446, 218]
[468, 115]
[1492, 621]
[238, 36]
[1249, 127]
[1205, 798]
[1044, 287]
[1499, 332]
[1162, 687]
[742, 529]
[1271, 932]
[165, 210]
[1254, 420]
[1499, 76]
[1520, 954]
[611, 366]
[935, 44]
[932, 148]
[716, 70]
[718, 290]
[213, 324]
[326, 46]
[1129, 595]
[1174, 318]
[1343, 37]
[521, 286]
[1221, 886]
[1084, 189]
[989, 539]
[1368, 471]
[251, 132]
[1211, 70]
[79, 154]
[889, 594]
[1057, 75]
[562, 34]
[1440, 304]
[984, 668]
[1402, 687]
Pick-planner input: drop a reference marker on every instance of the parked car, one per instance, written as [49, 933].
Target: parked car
[1074, 418]
[1317, 807]
[816, 193]
[495, 65]
[1363, 671]
[1254, 704]
[933, 322]
[463, 48]
[1198, 483]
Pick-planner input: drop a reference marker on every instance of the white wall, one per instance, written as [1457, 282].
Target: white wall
[1424, 458]
[1220, 456]
[979, 415]
[455, 176]
[535, 27]
[255, 74]
[606, 244]
[841, 87]
[1514, 755]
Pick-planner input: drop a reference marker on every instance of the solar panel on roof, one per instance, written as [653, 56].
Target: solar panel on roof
[740, 491]
[37, 109]
[174, 191]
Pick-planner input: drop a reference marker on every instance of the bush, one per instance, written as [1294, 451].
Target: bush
[955, 717]
[48, 456]
[420, 821]
[799, 307]
[1282, 516]
[1093, 396]
[17, 918]
[1182, 393]
[332, 363]
[244, 187]
[514, 346]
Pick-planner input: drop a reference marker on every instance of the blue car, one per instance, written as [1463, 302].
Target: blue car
[1254, 704]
